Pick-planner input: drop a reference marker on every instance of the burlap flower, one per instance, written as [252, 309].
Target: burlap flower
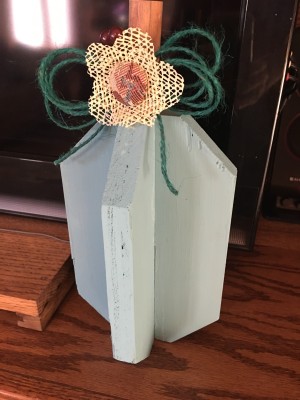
[130, 84]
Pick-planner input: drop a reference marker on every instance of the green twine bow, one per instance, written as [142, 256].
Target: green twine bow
[199, 99]
[56, 107]
[204, 95]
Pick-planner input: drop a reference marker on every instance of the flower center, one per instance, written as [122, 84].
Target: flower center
[129, 83]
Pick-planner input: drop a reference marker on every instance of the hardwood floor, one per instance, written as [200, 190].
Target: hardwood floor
[251, 353]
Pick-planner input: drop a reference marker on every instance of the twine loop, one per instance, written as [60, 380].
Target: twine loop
[200, 97]
[58, 108]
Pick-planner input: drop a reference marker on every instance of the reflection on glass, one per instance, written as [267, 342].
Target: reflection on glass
[27, 22]
[36, 23]
[59, 14]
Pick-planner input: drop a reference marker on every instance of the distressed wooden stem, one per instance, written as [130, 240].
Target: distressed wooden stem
[147, 15]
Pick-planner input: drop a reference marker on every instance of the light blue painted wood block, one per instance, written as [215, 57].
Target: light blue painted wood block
[191, 230]
[84, 177]
[152, 263]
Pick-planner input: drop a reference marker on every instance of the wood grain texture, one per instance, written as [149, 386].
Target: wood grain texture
[147, 15]
[34, 272]
[50, 298]
[251, 353]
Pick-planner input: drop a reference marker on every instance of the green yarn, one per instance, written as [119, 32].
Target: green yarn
[205, 94]
[194, 32]
[199, 99]
[163, 157]
[79, 146]
[56, 107]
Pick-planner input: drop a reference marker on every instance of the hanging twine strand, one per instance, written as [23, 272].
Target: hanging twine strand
[163, 156]
[200, 98]
[79, 146]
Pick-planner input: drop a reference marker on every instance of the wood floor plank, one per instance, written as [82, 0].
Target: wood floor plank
[251, 353]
